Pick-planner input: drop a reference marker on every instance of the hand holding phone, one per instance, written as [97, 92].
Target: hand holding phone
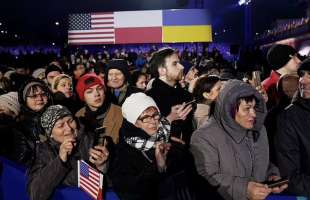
[277, 183]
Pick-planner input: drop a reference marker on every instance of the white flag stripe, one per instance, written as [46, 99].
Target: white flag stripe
[92, 182]
[88, 190]
[90, 40]
[149, 18]
[91, 36]
[101, 15]
[101, 25]
[102, 20]
[93, 31]
[93, 188]
[94, 177]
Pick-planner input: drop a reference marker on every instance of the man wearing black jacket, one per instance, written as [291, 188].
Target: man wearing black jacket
[166, 91]
[293, 140]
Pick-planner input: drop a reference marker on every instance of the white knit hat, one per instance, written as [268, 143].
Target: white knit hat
[135, 104]
[39, 73]
[10, 101]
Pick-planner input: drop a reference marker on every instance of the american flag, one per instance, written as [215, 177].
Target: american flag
[90, 180]
[93, 28]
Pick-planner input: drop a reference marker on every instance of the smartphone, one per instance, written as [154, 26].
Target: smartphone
[278, 183]
[190, 102]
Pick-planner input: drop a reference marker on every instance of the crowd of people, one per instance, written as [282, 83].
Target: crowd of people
[288, 28]
[160, 125]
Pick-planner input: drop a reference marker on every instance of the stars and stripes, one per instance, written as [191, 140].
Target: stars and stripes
[94, 28]
[90, 180]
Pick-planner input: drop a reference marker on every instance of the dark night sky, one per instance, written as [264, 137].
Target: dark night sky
[34, 20]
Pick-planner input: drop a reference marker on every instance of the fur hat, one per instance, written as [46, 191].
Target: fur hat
[10, 101]
[51, 115]
[87, 81]
[134, 106]
[279, 55]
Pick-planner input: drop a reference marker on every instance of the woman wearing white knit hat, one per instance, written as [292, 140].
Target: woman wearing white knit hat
[144, 155]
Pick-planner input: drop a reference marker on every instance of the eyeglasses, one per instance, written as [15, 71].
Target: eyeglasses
[35, 96]
[148, 118]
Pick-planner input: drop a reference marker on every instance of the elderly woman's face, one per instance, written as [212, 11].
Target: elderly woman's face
[36, 99]
[64, 128]
[149, 121]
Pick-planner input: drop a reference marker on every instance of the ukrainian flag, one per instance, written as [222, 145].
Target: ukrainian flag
[191, 25]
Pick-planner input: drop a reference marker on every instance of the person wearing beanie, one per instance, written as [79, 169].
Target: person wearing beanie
[99, 114]
[39, 73]
[57, 158]
[9, 109]
[283, 59]
[166, 91]
[51, 72]
[63, 93]
[34, 97]
[292, 140]
[118, 81]
[144, 156]
[62, 83]
[9, 104]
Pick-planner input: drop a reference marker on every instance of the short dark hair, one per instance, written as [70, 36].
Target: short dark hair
[247, 99]
[136, 75]
[158, 59]
[204, 84]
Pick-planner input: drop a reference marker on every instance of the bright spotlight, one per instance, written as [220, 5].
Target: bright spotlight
[244, 2]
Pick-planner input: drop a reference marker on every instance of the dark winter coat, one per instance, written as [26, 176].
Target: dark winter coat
[165, 97]
[293, 146]
[135, 176]
[48, 171]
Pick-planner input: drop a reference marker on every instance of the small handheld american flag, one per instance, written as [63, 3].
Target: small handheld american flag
[90, 180]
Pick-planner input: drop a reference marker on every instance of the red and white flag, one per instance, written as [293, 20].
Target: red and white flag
[90, 180]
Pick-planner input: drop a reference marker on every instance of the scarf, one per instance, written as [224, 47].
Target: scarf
[144, 144]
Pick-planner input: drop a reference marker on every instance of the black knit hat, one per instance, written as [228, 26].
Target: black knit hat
[304, 66]
[119, 64]
[51, 115]
[51, 68]
[279, 55]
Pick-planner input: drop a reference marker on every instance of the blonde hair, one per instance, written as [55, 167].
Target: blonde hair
[57, 79]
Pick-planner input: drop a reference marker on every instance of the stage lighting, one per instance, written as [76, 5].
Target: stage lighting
[244, 2]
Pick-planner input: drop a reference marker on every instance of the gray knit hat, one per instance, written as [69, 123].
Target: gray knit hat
[10, 101]
[51, 115]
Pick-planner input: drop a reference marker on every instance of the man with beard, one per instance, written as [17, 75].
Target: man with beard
[166, 67]
[292, 141]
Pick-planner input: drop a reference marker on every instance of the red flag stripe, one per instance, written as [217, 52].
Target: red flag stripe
[94, 196]
[90, 182]
[91, 187]
[93, 33]
[93, 179]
